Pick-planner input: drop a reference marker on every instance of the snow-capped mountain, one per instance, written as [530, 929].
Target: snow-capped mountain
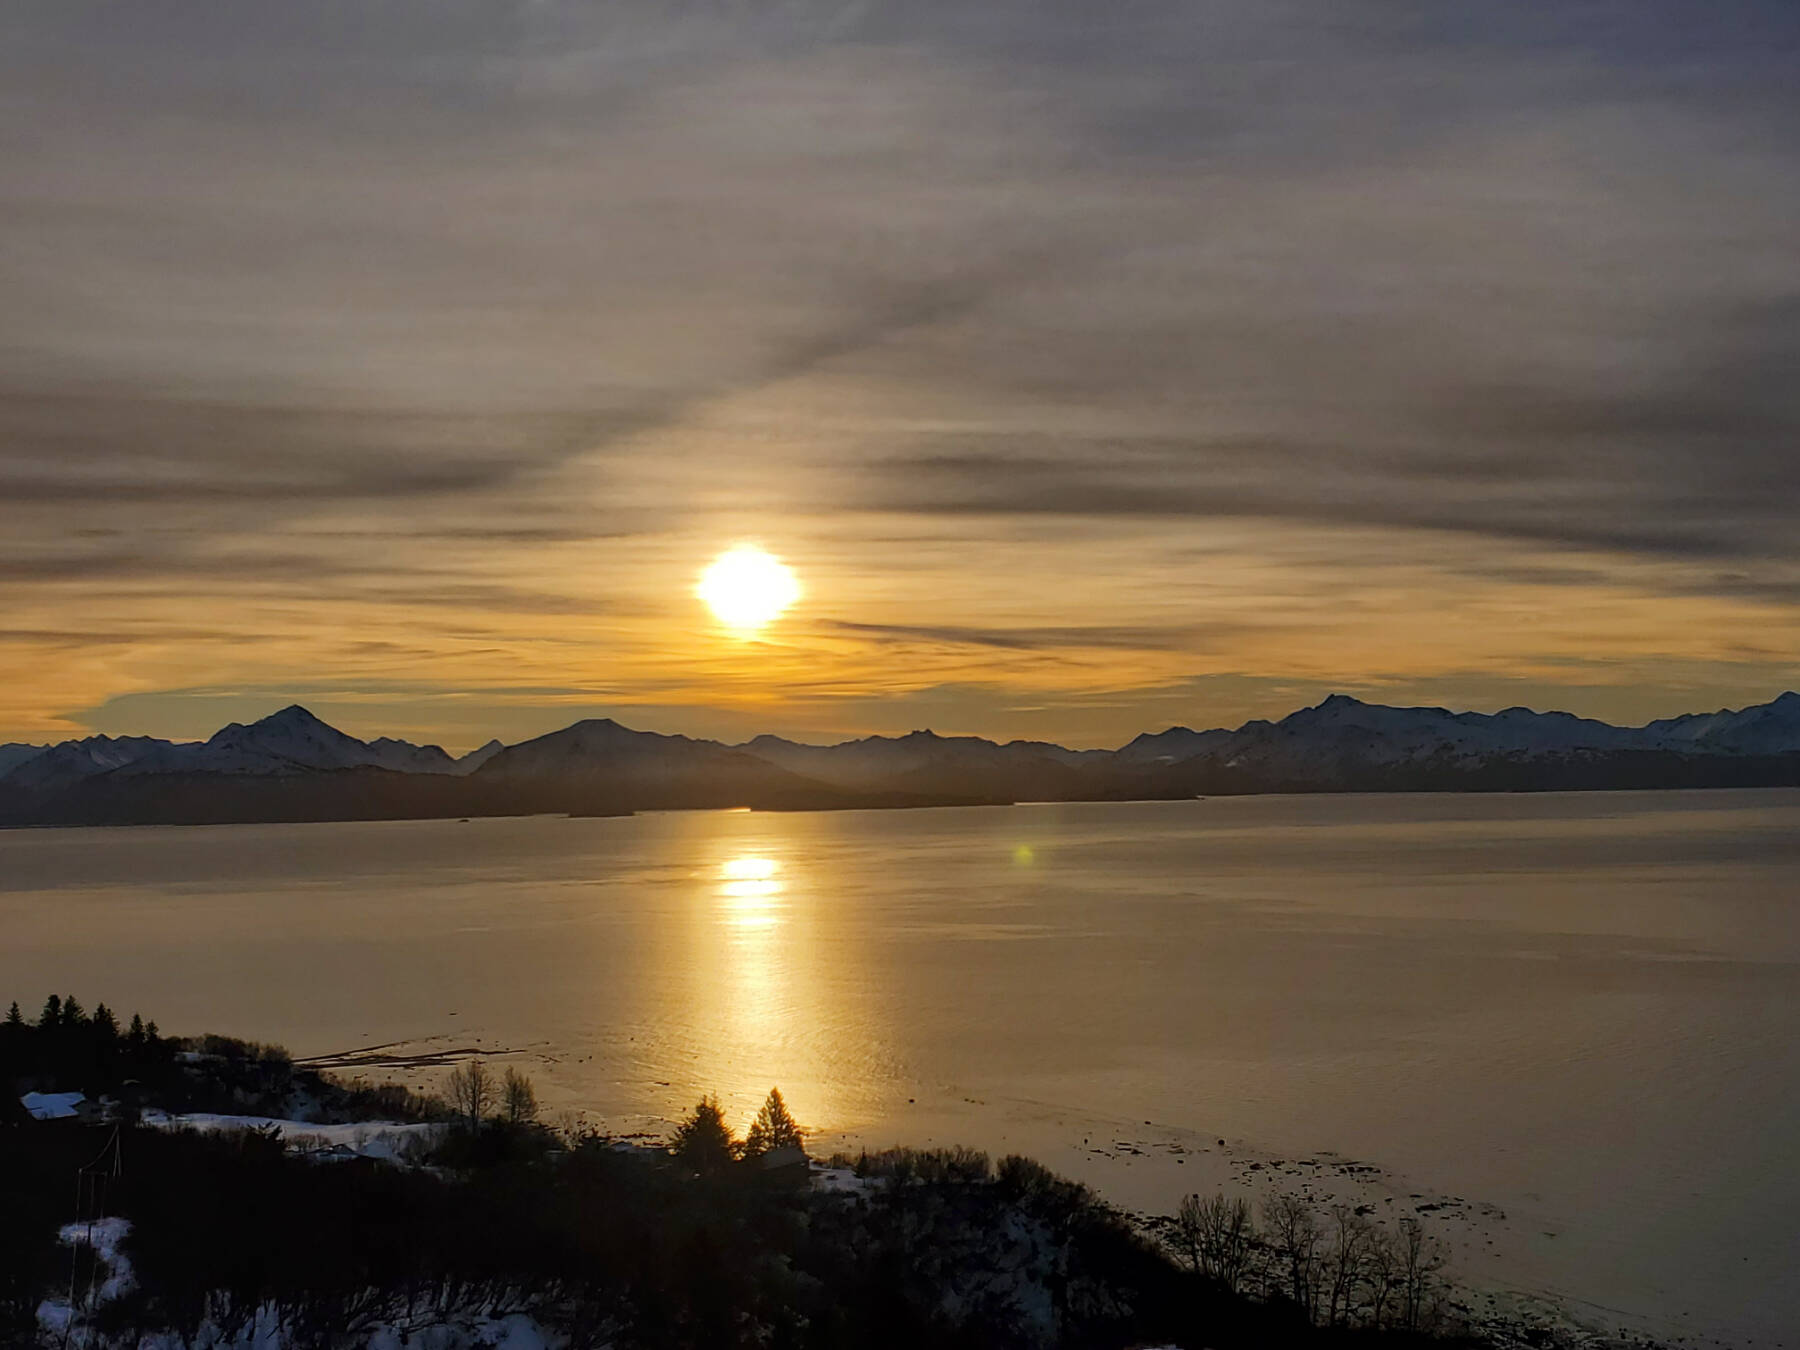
[1318, 739]
[71, 761]
[290, 765]
[288, 742]
[1345, 743]
[405, 757]
[1169, 747]
[1765, 729]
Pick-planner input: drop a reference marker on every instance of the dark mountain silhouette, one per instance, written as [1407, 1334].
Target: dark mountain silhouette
[600, 767]
[293, 766]
[931, 765]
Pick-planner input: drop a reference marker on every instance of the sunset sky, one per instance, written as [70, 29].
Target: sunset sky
[1095, 367]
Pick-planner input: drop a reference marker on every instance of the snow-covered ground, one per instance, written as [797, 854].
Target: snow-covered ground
[386, 1140]
[60, 1322]
[104, 1236]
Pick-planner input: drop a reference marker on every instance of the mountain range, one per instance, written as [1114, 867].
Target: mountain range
[293, 766]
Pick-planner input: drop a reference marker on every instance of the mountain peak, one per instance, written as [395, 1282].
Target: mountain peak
[294, 715]
[289, 719]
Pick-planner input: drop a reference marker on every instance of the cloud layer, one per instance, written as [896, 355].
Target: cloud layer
[1079, 356]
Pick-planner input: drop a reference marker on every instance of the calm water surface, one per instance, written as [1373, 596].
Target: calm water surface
[1584, 1009]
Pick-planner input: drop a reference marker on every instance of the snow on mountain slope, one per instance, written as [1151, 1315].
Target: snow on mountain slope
[1341, 741]
[1169, 747]
[477, 757]
[288, 742]
[71, 761]
[1764, 729]
[1342, 736]
[15, 753]
[405, 757]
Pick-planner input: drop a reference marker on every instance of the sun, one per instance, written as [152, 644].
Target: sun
[746, 588]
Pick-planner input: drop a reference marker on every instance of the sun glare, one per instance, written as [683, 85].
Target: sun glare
[747, 588]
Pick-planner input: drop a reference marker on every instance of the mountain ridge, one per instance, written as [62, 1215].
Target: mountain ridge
[293, 765]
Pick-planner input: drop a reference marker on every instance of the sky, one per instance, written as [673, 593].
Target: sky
[1096, 367]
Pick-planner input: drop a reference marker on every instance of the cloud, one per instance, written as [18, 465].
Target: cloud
[465, 314]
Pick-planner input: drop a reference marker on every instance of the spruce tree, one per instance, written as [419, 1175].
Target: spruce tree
[51, 1017]
[703, 1141]
[12, 1015]
[773, 1128]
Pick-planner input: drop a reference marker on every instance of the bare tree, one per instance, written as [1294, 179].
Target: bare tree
[518, 1098]
[1184, 1237]
[1381, 1272]
[1216, 1236]
[1344, 1265]
[1420, 1259]
[472, 1091]
[1293, 1232]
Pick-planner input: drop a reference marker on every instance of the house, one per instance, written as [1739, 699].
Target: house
[57, 1106]
[786, 1165]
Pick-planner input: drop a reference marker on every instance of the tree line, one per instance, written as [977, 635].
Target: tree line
[1332, 1262]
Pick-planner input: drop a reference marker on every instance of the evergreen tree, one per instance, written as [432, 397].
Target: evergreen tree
[12, 1015]
[773, 1128]
[51, 1017]
[73, 1014]
[135, 1038]
[105, 1023]
[703, 1141]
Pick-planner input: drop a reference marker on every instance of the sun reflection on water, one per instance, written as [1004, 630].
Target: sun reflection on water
[765, 1003]
[750, 892]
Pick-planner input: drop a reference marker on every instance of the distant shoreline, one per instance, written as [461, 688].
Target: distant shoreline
[853, 807]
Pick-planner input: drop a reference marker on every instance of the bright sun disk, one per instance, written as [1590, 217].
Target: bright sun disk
[746, 587]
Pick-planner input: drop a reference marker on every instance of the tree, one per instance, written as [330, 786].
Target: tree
[472, 1093]
[73, 1014]
[773, 1128]
[1420, 1259]
[51, 1017]
[13, 1017]
[1382, 1273]
[518, 1098]
[703, 1141]
[1216, 1237]
[1294, 1236]
[135, 1038]
[1346, 1266]
[105, 1023]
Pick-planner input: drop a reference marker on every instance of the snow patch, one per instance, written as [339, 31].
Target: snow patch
[385, 1140]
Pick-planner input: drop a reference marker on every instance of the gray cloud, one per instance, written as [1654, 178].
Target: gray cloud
[321, 293]
[1031, 639]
